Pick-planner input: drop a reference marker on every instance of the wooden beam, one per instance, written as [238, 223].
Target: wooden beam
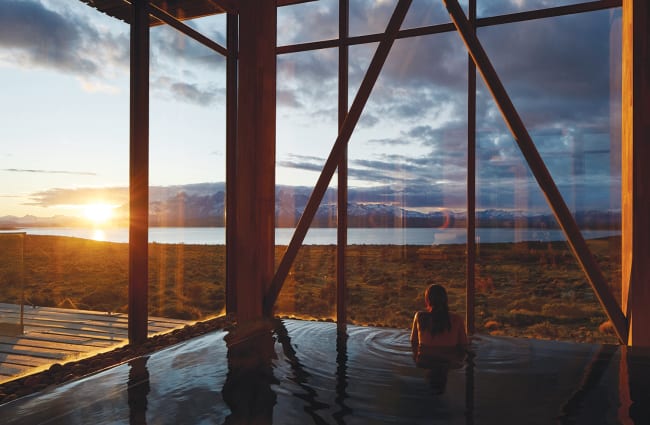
[337, 152]
[539, 170]
[549, 12]
[635, 172]
[175, 23]
[254, 228]
[342, 204]
[292, 2]
[139, 173]
[232, 28]
[470, 291]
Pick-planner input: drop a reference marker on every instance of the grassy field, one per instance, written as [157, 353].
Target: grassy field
[523, 289]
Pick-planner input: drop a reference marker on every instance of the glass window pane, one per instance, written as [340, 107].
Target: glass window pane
[485, 8]
[372, 16]
[562, 78]
[306, 130]
[187, 175]
[306, 22]
[407, 182]
[64, 167]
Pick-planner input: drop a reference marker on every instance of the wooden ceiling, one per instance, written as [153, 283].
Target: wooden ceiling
[180, 9]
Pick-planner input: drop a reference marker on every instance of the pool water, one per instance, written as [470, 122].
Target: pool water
[305, 373]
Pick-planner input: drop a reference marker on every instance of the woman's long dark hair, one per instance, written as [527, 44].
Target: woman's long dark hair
[438, 320]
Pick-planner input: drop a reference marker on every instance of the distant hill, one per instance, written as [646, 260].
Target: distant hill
[203, 205]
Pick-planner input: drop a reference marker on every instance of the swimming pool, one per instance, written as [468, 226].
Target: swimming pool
[303, 373]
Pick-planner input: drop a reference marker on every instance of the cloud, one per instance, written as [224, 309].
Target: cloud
[192, 94]
[556, 70]
[116, 195]
[301, 23]
[308, 78]
[367, 120]
[172, 49]
[74, 173]
[388, 142]
[33, 35]
[302, 162]
[188, 92]
[79, 196]
[289, 99]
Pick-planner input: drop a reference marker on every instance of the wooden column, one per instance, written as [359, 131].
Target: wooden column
[232, 25]
[635, 171]
[342, 223]
[255, 158]
[470, 287]
[139, 173]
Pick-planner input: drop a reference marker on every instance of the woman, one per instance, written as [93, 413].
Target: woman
[438, 339]
[436, 327]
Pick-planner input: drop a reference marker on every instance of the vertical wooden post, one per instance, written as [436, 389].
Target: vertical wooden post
[342, 224]
[470, 291]
[255, 157]
[139, 173]
[231, 158]
[635, 172]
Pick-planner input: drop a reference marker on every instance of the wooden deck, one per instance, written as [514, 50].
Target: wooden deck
[56, 335]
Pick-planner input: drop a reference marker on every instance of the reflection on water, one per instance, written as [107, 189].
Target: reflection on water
[138, 389]
[247, 390]
[438, 362]
[294, 372]
[99, 235]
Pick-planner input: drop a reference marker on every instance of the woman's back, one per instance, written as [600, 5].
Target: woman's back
[422, 335]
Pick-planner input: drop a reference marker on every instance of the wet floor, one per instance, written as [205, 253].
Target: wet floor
[303, 373]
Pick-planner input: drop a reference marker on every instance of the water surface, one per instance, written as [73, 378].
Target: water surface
[303, 373]
[326, 236]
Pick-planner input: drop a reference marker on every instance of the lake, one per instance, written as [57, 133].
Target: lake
[325, 236]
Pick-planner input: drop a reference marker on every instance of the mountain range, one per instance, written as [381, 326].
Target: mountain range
[204, 206]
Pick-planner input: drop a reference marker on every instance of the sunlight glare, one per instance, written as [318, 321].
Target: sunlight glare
[99, 235]
[98, 213]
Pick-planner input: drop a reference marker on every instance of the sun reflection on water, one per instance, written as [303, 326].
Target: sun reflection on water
[99, 235]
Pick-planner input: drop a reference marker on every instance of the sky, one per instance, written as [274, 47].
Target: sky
[64, 108]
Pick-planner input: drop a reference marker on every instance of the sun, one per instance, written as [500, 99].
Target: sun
[98, 213]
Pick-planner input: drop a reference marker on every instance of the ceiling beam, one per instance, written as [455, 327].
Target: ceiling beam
[179, 9]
